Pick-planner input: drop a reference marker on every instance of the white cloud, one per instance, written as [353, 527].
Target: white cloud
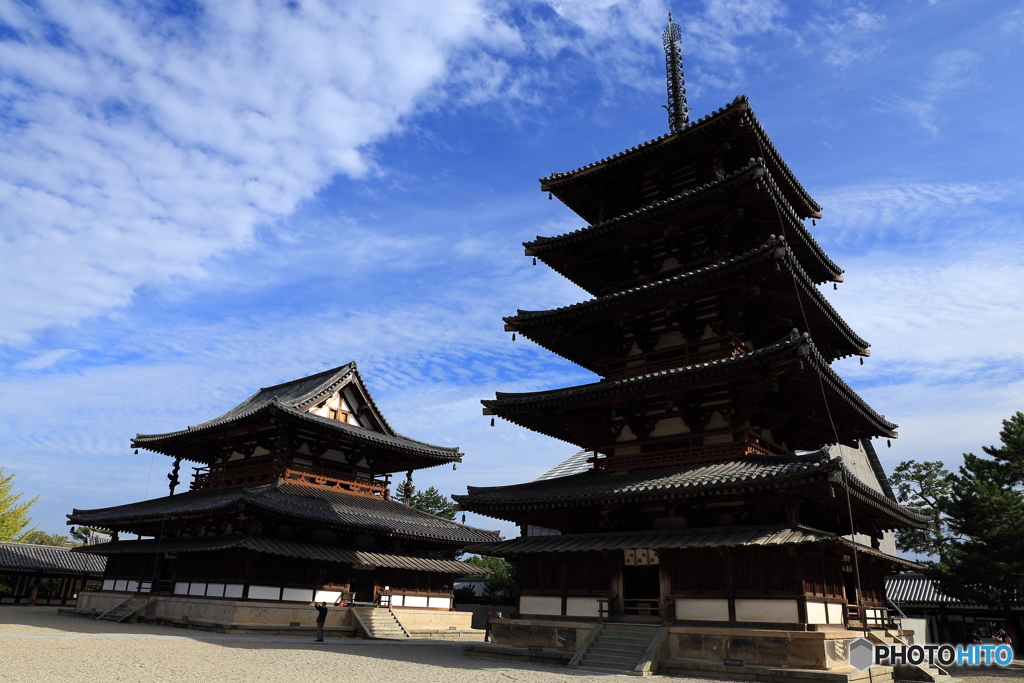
[849, 35]
[137, 147]
[919, 211]
[44, 360]
[951, 70]
[1013, 22]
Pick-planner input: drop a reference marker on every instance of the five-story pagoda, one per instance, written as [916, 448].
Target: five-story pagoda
[727, 459]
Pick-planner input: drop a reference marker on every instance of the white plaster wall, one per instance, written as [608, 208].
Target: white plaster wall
[816, 613]
[779, 611]
[581, 607]
[537, 604]
[856, 460]
[835, 613]
[919, 627]
[297, 594]
[670, 426]
[705, 610]
[264, 593]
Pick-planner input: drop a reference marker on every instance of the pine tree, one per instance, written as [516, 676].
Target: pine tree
[13, 515]
[926, 486]
[984, 563]
[431, 501]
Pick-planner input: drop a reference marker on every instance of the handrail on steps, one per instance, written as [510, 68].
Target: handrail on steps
[399, 622]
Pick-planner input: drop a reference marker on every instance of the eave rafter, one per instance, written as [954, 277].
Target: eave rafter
[587, 332]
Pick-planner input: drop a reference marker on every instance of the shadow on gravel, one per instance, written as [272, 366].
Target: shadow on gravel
[1014, 671]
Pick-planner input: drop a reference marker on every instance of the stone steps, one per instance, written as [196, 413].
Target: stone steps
[380, 623]
[616, 648]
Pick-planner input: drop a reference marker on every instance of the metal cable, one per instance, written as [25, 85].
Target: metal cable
[824, 399]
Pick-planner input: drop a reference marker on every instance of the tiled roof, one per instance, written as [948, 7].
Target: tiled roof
[740, 105]
[574, 464]
[287, 548]
[725, 269]
[756, 168]
[599, 485]
[505, 403]
[727, 537]
[365, 512]
[914, 589]
[296, 501]
[48, 559]
[293, 398]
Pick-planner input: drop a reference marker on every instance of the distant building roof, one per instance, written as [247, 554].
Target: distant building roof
[288, 548]
[914, 589]
[294, 399]
[295, 501]
[574, 464]
[48, 559]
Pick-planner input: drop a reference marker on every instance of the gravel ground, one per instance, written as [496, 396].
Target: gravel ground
[37, 644]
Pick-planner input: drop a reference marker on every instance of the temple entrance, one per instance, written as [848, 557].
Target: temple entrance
[362, 585]
[641, 592]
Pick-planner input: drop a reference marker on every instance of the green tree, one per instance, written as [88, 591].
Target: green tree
[430, 500]
[501, 582]
[984, 562]
[42, 538]
[81, 533]
[924, 485]
[13, 514]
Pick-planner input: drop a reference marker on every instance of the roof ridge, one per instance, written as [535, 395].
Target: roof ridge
[348, 366]
[704, 120]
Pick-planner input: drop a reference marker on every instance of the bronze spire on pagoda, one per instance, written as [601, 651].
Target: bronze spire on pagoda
[678, 112]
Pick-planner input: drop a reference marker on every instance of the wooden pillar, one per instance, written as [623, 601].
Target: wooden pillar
[35, 589]
[618, 607]
[668, 605]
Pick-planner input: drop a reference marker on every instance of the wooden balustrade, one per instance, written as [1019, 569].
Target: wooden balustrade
[682, 356]
[744, 442]
[267, 472]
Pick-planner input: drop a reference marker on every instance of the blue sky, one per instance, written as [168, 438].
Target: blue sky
[199, 202]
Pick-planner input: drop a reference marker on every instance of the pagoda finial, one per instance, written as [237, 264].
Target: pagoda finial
[678, 112]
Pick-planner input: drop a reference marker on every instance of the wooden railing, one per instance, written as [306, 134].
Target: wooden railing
[267, 472]
[859, 617]
[744, 442]
[681, 356]
[643, 608]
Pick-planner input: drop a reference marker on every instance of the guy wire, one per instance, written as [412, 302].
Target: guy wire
[824, 398]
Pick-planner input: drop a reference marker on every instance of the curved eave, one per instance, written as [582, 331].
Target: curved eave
[526, 322]
[756, 169]
[739, 106]
[860, 490]
[816, 468]
[168, 444]
[507, 405]
[752, 170]
[326, 509]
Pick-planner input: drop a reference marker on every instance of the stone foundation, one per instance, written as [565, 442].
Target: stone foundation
[818, 650]
[551, 635]
[826, 650]
[236, 615]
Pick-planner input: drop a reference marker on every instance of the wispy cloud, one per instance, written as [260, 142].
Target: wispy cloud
[1013, 22]
[44, 360]
[136, 147]
[864, 215]
[950, 71]
[848, 35]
